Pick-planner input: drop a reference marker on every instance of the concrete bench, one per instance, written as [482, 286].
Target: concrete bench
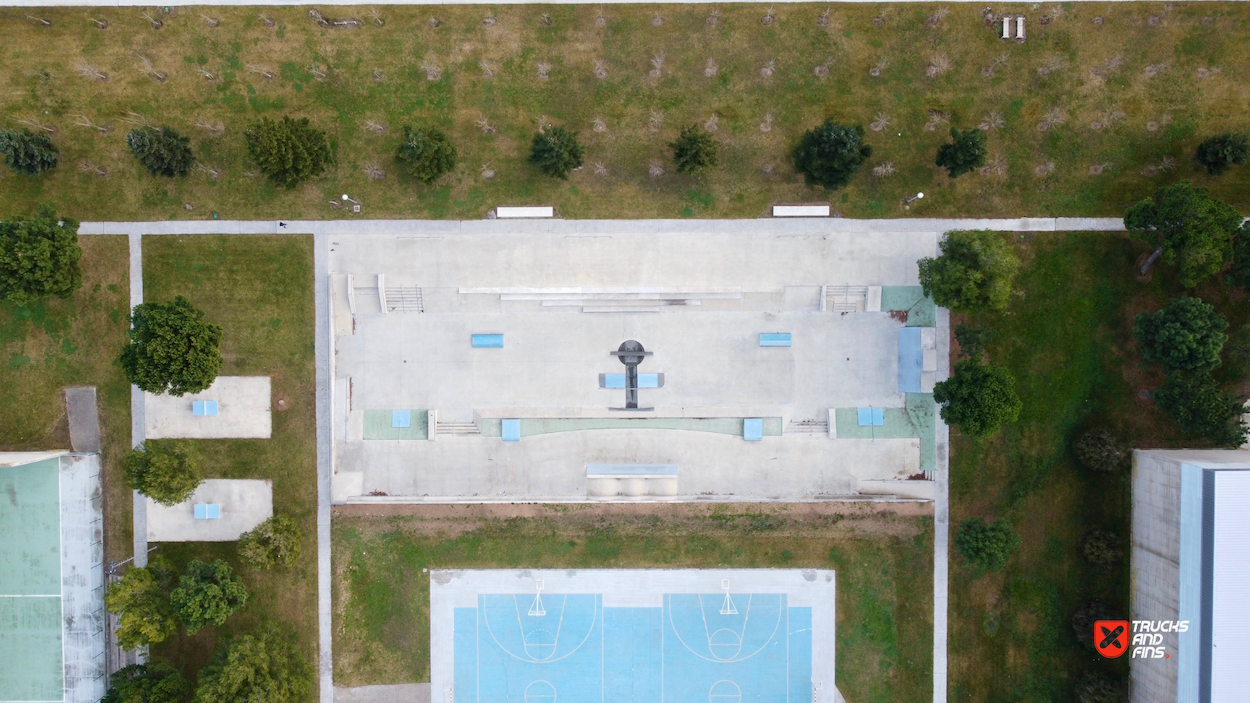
[203, 407]
[504, 212]
[617, 380]
[774, 339]
[636, 481]
[488, 341]
[801, 210]
[207, 511]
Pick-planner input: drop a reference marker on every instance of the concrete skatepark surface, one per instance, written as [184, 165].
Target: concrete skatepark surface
[697, 299]
[245, 503]
[243, 411]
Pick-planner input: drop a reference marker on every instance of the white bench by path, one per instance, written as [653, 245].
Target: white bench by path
[813, 210]
[509, 212]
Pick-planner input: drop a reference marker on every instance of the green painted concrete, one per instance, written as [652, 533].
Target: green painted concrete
[915, 420]
[921, 310]
[378, 425]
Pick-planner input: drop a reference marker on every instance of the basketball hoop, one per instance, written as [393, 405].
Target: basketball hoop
[536, 608]
[727, 607]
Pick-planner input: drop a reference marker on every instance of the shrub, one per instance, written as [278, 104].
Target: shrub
[965, 152]
[426, 154]
[27, 152]
[974, 272]
[1237, 352]
[986, 544]
[694, 150]
[1201, 409]
[162, 471]
[171, 349]
[1215, 154]
[1193, 230]
[147, 683]
[39, 257]
[1084, 617]
[274, 542]
[163, 152]
[1097, 687]
[1101, 450]
[207, 594]
[556, 152]
[263, 667]
[1102, 548]
[288, 151]
[978, 398]
[830, 154]
[141, 599]
[1186, 335]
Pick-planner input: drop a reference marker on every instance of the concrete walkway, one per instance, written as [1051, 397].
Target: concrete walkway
[140, 523]
[84, 419]
[941, 517]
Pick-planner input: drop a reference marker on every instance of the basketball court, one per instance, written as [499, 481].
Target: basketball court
[721, 636]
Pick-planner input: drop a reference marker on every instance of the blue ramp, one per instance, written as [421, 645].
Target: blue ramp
[910, 360]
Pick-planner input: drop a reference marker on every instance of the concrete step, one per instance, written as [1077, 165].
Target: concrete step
[807, 427]
[457, 428]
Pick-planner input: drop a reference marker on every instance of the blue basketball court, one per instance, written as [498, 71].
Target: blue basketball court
[658, 641]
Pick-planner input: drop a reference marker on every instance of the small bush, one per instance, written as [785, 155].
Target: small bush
[426, 154]
[163, 152]
[965, 152]
[974, 273]
[1084, 617]
[1195, 402]
[556, 152]
[1097, 687]
[162, 471]
[288, 151]
[986, 544]
[1102, 450]
[830, 154]
[978, 398]
[694, 150]
[27, 152]
[1187, 335]
[274, 542]
[207, 594]
[1102, 548]
[1216, 154]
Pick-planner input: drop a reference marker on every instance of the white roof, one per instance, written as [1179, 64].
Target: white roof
[1230, 610]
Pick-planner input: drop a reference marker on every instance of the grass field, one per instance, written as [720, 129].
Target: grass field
[1143, 86]
[260, 290]
[884, 564]
[1067, 338]
[74, 342]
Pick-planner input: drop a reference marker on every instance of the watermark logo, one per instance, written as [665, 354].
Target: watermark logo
[1111, 637]
[1148, 637]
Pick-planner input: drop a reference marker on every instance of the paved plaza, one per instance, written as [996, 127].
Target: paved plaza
[445, 342]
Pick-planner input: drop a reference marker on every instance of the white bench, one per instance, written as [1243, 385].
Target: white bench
[801, 210]
[505, 212]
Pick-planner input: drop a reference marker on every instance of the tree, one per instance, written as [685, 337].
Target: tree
[141, 598]
[1201, 409]
[1186, 335]
[207, 594]
[163, 152]
[1102, 548]
[1217, 153]
[27, 152]
[426, 154]
[274, 542]
[172, 349]
[162, 471]
[1189, 228]
[147, 683]
[1084, 617]
[830, 154]
[974, 272]
[289, 151]
[39, 257]
[986, 544]
[1097, 687]
[1239, 273]
[965, 152]
[1101, 450]
[694, 150]
[978, 398]
[265, 667]
[556, 152]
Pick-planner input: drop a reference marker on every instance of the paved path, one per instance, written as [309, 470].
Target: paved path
[322, 230]
[84, 419]
[398, 693]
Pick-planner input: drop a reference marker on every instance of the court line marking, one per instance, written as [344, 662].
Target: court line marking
[594, 619]
[722, 661]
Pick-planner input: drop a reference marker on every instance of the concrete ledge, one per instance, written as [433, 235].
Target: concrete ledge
[907, 490]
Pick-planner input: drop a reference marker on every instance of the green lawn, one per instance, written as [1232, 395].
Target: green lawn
[74, 342]
[1067, 338]
[884, 565]
[260, 290]
[1105, 86]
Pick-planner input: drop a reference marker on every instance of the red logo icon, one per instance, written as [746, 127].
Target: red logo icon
[1111, 637]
